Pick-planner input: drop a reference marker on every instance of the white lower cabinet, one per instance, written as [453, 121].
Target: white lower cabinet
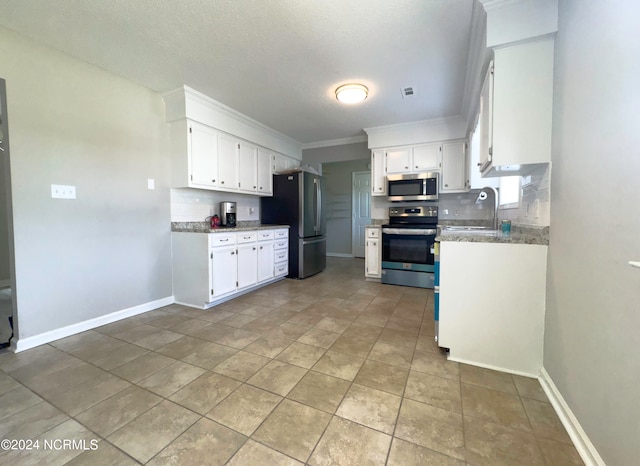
[373, 253]
[209, 268]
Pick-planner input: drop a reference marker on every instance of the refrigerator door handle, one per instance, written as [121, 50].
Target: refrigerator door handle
[318, 205]
[313, 241]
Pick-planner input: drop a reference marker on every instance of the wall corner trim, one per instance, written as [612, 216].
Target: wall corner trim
[581, 441]
[23, 344]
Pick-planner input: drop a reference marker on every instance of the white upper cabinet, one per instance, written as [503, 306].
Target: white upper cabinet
[265, 178]
[228, 153]
[203, 156]
[282, 163]
[516, 134]
[426, 157]
[454, 167]
[248, 167]
[378, 173]
[399, 160]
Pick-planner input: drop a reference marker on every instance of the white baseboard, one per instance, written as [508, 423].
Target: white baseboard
[494, 368]
[581, 441]
[22, 344]
[338, 254]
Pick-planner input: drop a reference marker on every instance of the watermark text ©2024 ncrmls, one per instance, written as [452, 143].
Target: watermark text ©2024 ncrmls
[49, 444]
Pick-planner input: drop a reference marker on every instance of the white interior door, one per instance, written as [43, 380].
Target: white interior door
[361, 211]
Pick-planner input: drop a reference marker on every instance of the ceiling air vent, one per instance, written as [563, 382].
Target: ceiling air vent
[408, 92]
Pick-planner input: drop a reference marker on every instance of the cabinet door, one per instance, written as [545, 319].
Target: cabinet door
[228, 149]
[372, 258]
[485, 120]
[203, 155]
[454, 167]
[378, 175]
[265, 261]
[247, 265]
[265, 175]
[398, 160]
[426, 157]
[224, 270]
[248, 167]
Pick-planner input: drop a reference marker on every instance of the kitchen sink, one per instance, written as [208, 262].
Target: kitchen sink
[470, 230]
[466, 228]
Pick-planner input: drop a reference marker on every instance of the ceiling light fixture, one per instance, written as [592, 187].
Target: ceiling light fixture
[351, 93]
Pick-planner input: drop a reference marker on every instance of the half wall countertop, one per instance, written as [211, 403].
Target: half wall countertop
[205, 227]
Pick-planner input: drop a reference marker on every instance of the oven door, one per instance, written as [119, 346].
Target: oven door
[408, 249]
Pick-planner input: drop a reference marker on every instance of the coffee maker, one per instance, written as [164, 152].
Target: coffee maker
[228, 214]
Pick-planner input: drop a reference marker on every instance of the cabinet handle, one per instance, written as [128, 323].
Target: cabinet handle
[416, 166]
[255, 187]
[260, 247]
[479, 164]
[222, 182]
[406, 168]
[254, 249]
[213, 181]
[446, 185]
[233, 252]
[224, 240]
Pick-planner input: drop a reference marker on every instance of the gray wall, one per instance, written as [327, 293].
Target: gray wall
[110, 249]
[593, 296]
[316, 157]
[338, 187]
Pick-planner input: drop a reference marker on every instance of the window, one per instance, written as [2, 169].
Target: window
[509, 192]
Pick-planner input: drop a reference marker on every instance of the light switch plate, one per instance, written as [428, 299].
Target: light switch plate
[60, 191]
[151, 183]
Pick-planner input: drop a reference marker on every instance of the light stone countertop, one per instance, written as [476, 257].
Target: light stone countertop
[520, 234]
[205, 227]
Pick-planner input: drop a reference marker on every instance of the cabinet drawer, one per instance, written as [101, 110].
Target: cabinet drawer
[265, 235]
[281, 255]
[222, 239]
[282, 234]
[373, 232]
[282, 269]
[280, 244]
[247, 237]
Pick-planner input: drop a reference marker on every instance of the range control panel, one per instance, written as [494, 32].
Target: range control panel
[421, 211]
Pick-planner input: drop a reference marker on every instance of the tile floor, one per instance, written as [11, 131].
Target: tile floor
[328, 370]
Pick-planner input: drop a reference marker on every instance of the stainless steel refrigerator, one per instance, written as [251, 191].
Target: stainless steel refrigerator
[298, 201]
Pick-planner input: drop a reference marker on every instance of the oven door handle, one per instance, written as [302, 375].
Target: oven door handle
[408, 231]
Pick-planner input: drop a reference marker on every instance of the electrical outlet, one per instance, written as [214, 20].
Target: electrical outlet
[151, 183]
[60, 191]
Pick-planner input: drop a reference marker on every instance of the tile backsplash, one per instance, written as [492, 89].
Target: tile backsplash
[535, 206]
[195, 205]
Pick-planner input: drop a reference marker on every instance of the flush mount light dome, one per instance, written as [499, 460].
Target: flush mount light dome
[351, 93]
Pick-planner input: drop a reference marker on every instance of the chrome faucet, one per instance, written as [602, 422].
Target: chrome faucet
[483, 195]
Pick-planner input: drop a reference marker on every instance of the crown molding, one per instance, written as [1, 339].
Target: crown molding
[335, 142]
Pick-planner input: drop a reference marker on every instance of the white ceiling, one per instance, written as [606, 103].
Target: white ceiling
[276, 61]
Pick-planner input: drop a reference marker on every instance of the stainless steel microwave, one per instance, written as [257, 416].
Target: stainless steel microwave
[413, 187]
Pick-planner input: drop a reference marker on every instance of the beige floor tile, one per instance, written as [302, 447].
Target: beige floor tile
[545, 422]
[495, 406]
[104, 455]
[205, 392]
[7, 383]
[404, 325]
[31, 422]
[241, 365]
[487, 378]
[435, 364]
[296, 439]
[136, 333]
[304, 320]
[239, 338]
[370, 407]
[168, 322]
[245, 409]
[115, 357]
[206, 442]
[257, 310]
[427, 343]
[208, 355]
[319, 338]
[352, 345]
[212, 332]
[390, 354]
[433, 390]
[237, 320]
[363, 332]
[339, 365]
[320, 391]
[333, 324]
[142, 367]
[288, 331]
[268, 346]
[375, 320]
[346, 443]
[158, 339]
[261, 325]
[529, 388]
[55, 455]
[149, 433]
[301, 355]
[182, 347]
[277, 377]
[169, 380]
[404, 453]
[253, 454]
[58, 382]
[559, 453]
[113, 413]
[190, 326]
[383, 377]
[398, 338]
[434, 428]
[80, 397]
[490, 444]
[85, 343]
